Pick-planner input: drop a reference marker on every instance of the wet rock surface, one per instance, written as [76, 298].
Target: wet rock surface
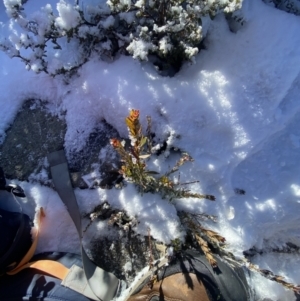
[32, 136]
[98, 139]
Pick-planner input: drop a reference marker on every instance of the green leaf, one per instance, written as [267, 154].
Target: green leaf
[143, 141]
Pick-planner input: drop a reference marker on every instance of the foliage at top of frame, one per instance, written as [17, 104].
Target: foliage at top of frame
[168, 30]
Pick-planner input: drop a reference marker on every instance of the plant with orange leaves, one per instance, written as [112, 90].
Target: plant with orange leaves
[133, 159]
[134, 165]
[134, 170]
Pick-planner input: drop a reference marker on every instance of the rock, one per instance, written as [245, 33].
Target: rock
[33, 135]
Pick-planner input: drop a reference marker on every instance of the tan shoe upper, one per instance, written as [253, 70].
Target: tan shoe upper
[178, 287]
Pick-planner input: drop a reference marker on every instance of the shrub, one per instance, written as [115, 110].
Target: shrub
[134, 164]
[134, 169]
[171, 30]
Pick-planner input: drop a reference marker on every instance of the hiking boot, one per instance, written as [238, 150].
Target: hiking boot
[191, 278]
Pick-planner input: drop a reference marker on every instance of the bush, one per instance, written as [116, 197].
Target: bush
[171, 30]
[134, 169]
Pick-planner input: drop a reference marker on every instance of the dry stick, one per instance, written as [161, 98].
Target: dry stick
[148, 134]
[265, 273]
[153, 276]
[150, 249]
[193, 223]
[188, 183]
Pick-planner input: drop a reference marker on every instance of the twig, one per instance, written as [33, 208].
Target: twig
[151, 260]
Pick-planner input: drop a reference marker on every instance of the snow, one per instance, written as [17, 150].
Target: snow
[235, 111]
[68, 16]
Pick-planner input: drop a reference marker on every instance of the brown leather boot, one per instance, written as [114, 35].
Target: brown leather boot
[191, 278]
[179, 287]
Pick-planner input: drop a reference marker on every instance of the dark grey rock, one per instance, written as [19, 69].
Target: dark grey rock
[33, 135]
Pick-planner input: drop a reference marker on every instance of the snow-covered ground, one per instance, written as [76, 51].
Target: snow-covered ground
[236, 112]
